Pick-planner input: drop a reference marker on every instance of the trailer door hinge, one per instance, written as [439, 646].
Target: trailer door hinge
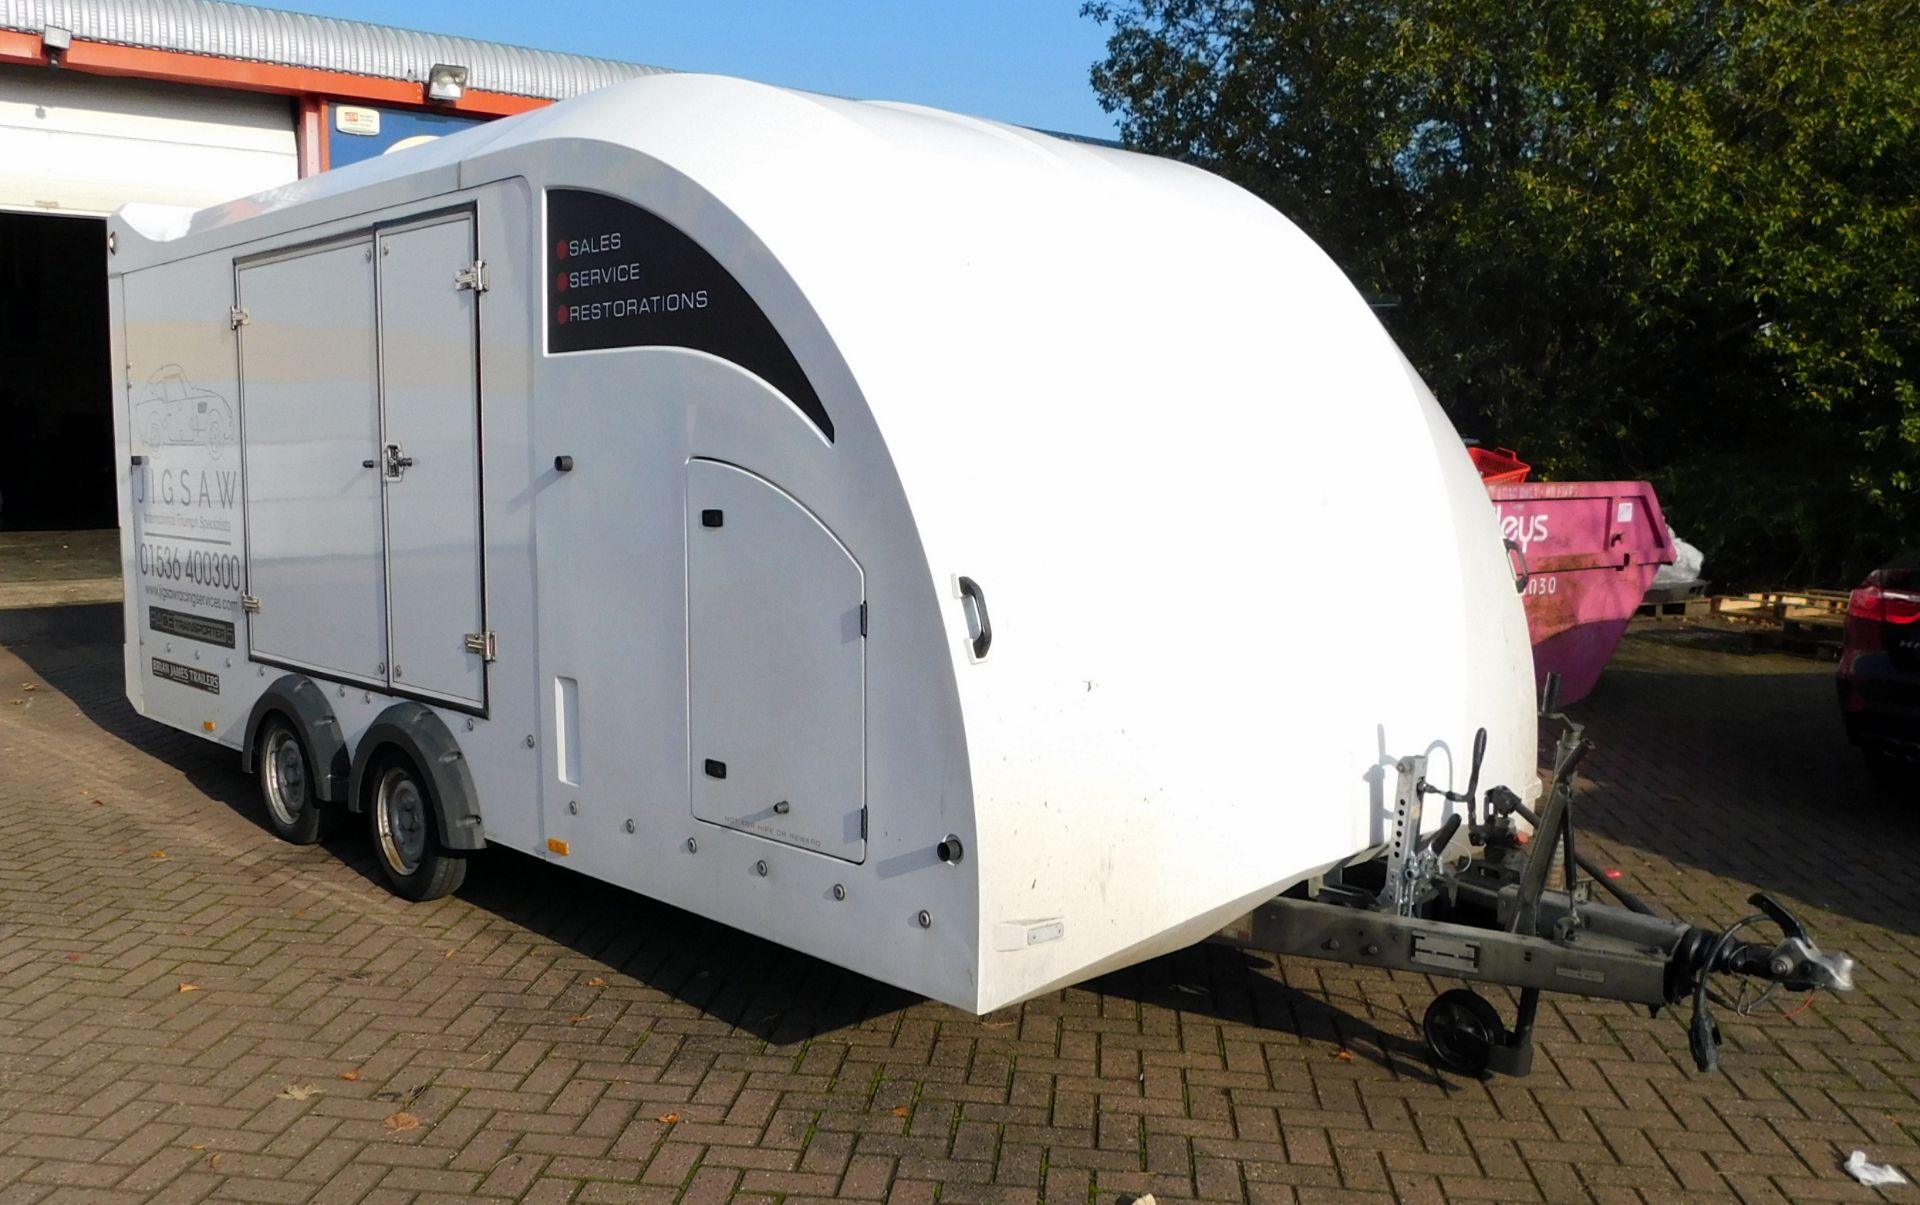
[474, 277]
[863, 618]
[863, 824]
[483, 643]
[249, 604]
[237, 318]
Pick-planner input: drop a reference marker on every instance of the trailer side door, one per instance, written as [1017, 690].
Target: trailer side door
[316, 570]
[430, 458]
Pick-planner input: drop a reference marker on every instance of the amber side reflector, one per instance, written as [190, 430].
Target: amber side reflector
[208, 725]
[558, 846]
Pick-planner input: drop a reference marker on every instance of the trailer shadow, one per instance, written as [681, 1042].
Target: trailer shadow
[76, 650]
[1713, 756]
[775, 994]
[1235, 987]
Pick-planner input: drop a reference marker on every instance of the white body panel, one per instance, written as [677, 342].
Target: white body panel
[1235, 559]
[84, 144]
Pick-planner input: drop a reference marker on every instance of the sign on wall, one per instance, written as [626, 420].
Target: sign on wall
[358, 132]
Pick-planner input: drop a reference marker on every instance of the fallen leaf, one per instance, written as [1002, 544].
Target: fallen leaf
[158, 853]
[1345, 1056]
[668, 1118]
[579, 1017]
[28, 686]
[349, 1076]
[99, 803]
[596, 981]
[18, 702]
[199, 1146]
[213, 1161]
[73, 958]
[449, 953]
[902, 1111]
[189, 987]
[401, 1122]
[297, 1092]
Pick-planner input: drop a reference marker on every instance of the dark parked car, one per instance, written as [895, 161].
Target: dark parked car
[1880, 671]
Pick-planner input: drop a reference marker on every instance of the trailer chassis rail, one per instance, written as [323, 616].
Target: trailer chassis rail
[1488, 916]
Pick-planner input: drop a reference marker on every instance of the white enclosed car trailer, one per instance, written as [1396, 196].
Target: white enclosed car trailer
[975, 559]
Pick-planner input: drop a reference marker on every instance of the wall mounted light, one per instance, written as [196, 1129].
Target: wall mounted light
[447, 82]
[56, 42]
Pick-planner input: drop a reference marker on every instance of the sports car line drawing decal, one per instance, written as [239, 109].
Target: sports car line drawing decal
[176, 411]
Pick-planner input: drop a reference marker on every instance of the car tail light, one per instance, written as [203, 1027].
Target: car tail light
[1872, 602]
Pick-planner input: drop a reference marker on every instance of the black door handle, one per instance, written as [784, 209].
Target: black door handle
[1525, 575]
[983, 639]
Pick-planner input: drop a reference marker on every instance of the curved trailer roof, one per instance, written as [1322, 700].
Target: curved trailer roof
[1239, 560]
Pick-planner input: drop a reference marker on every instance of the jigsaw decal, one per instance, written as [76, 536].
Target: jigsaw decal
[186, 508]
[618, 276]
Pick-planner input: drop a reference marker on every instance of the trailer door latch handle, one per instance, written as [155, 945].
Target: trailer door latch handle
[484, 643]
[975, 600]
[398, 462]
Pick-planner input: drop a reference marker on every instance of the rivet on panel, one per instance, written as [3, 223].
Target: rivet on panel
[839, 891]
[926, 919]
[573, 807]
[760, 868]
[693, 846]
[629, 826]
[529, 740]
[469, 723]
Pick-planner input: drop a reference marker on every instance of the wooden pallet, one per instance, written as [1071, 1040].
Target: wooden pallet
[1778, 606]
[1687, 607]
[1809, 622]
[1676, 602]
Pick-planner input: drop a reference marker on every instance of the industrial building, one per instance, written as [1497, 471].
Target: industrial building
[185, 102]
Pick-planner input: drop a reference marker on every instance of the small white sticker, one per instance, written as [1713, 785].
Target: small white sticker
[353, 119]
[1624, 514]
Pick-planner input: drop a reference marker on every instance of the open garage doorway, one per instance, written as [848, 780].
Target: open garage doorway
[56, 415]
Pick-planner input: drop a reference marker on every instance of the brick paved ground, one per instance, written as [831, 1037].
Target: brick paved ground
[556, 1039]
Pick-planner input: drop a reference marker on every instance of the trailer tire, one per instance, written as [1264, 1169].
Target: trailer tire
[1462, 1028]
[289, 783]
[406, 837]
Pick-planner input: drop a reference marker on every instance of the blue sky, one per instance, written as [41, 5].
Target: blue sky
[1021, 61]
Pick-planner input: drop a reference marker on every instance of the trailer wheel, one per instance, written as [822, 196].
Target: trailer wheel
[1462, 1028]
[406, 841]
[285, 768]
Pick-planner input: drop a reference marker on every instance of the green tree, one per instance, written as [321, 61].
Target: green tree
[1674, 240]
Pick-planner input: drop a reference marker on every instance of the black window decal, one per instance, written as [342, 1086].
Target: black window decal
[618, 276]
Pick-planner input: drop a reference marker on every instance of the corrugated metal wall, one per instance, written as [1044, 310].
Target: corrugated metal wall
[238, 31]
